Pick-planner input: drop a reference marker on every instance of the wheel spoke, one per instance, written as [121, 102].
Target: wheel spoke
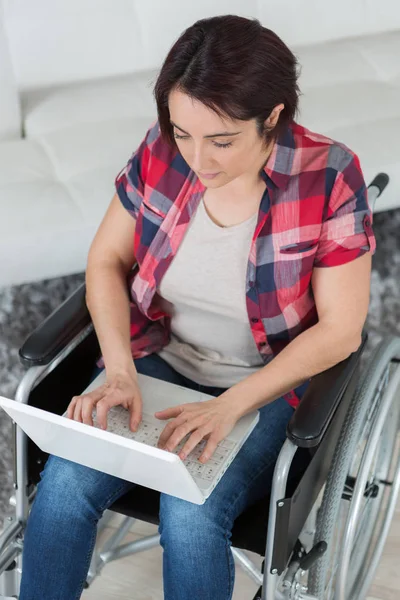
[354, 500]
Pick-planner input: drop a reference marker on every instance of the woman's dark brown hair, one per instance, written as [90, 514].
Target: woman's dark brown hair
[234, 66]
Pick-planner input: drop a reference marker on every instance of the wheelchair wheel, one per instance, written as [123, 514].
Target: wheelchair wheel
[361, 491]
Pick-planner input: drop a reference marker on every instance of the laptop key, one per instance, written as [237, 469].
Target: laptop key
[196, 453]
[213, 463]
[209, 470]
[191, 467]
[199, 468]
[217, 457]
[227, 444]
[224, 452]
[152, 440]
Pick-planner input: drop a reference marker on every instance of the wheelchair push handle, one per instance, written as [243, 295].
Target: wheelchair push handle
[376, 187]
[380, 181]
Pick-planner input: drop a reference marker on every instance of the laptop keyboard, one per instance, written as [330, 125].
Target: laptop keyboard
[149, 432]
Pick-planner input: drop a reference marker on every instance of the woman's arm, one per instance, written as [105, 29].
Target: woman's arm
[342, 298]
[110, 259]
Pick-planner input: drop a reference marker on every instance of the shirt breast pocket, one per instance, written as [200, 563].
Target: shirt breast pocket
[299, 248]
[152, 213]
[150, 221]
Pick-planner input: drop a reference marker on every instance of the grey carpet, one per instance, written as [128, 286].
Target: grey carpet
[24, 307]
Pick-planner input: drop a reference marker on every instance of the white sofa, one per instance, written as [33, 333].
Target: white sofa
[76, 99]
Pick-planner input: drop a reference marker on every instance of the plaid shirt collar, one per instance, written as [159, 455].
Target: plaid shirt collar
[279, 164]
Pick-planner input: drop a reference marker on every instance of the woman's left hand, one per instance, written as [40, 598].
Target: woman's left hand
[213, 419]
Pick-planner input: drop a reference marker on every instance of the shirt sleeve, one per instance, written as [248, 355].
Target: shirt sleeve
[130, 181]
[346, 230]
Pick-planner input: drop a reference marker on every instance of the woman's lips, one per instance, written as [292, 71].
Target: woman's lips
[208, 176]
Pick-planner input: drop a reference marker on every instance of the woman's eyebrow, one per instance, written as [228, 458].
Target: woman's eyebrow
[223, 134]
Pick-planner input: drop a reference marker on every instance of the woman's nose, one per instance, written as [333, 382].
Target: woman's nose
[200, 161]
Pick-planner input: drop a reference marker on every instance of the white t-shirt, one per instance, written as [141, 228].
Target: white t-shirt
[203, 290]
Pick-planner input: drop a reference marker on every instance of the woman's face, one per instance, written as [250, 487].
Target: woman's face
[236, 154]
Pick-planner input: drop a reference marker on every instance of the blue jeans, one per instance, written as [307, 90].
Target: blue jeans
[197, 560]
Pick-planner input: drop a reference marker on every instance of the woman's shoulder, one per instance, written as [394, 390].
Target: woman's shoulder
[321, 149]
[156, 171]
[157, 146]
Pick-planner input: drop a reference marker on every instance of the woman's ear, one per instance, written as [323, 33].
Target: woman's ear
[274, 116]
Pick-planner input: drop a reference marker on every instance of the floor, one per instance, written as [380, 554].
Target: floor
[139, 577]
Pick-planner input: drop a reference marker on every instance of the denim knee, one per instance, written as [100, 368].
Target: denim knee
[67, 487]
[61, 489]
[186, 521]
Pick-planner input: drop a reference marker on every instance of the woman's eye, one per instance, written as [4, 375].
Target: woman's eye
[185, 137]
[222, 145]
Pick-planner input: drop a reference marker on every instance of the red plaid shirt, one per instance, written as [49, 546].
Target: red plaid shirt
[314, 213]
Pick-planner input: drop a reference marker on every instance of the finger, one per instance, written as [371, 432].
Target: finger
[180, 432]
[136, 415]
[192, 442]
[101, 412]
[77, 410]
[165, 435]
[71, 408]
[210, 448]
[168, 431]
[87, 410]
[169, 413]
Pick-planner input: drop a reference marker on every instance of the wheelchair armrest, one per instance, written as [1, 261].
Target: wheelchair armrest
[55, 333]
[320, 401]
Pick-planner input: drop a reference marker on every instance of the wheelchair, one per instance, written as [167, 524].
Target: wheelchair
[321, 529]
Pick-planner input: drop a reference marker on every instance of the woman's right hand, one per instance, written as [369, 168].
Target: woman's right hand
[119, 389]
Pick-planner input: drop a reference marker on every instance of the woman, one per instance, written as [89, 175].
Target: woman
[237, 213]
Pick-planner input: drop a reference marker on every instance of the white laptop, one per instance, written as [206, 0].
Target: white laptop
[134, 456]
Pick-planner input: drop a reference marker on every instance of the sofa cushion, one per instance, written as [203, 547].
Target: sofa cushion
[351, 93]
[54, 191]
[89, 102]
[10, 117]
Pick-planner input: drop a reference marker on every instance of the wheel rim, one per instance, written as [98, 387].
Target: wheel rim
[375, 493]
[347, 570]
[358, 508]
